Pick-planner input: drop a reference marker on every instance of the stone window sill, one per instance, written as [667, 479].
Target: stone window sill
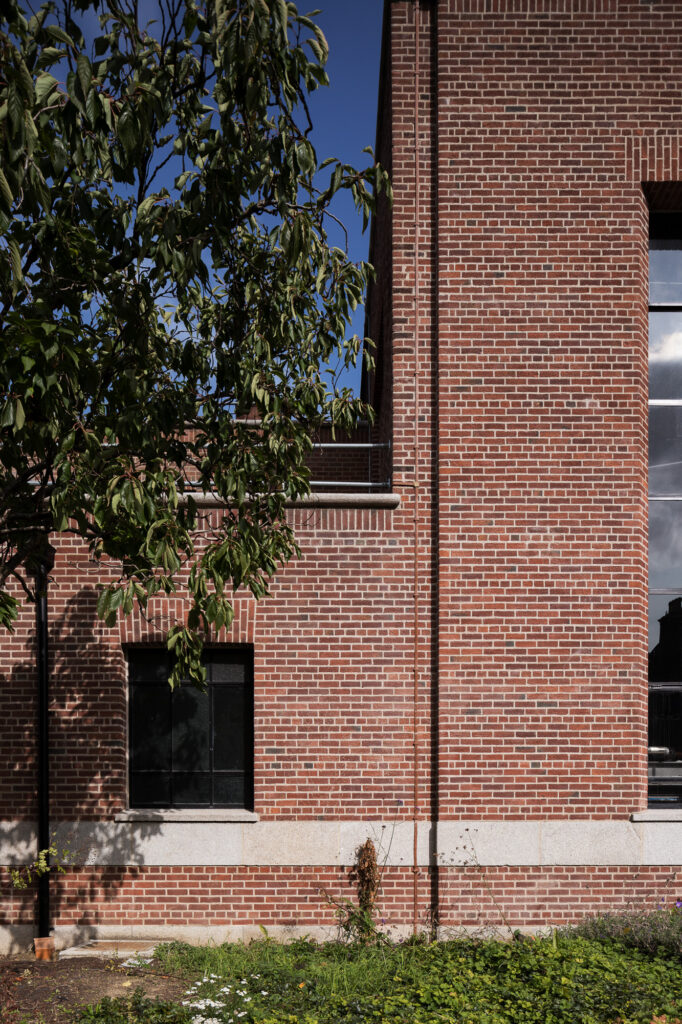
[194, 815]
[659, 814]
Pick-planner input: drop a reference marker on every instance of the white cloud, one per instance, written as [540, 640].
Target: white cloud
[666, 348]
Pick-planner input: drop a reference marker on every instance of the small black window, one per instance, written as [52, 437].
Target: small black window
[188, 748]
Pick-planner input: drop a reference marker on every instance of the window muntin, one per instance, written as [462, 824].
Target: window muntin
[665, 509]
[190, 749]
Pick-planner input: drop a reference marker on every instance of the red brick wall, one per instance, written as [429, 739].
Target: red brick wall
[512, 301]
[501, 898]
[535, 897]
[333, 696]
[542, 337]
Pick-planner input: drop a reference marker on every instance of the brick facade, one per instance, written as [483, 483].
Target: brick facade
[472, 660]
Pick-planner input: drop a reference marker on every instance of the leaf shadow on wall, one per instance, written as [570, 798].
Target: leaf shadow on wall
[88, 764]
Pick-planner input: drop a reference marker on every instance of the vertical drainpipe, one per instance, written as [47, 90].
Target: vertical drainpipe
[42, 662]
[415, 699]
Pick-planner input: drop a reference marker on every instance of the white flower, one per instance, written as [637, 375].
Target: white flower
[263, 992]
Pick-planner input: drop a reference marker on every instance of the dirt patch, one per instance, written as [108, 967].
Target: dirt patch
[35, 992]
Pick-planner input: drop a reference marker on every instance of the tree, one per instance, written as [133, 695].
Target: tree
[168, 294]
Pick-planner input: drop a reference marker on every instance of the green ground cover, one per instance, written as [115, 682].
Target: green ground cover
[563, 979]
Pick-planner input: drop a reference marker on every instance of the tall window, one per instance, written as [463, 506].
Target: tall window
[665, 509]
[190, 748]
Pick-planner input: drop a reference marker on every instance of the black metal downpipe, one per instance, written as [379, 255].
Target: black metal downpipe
[42, 659]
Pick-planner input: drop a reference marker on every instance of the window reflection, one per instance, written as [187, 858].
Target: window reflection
[665, 271]
[665, 354]
[665, 450]
[665, 513]
[665, 545]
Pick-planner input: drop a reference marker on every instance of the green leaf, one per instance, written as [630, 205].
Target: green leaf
[58, 33]
[126, 130]
[45, 84]
[224, 293]
[15, 262]
[84, 72]
[19, 414]
[15, 110]
[5, 190]
[25, 82]
[92, 106]
[145, 207]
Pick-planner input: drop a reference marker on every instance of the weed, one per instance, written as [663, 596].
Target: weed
[558, 980]
[653, 932]
[23, 876]
[135, 1010]
[358, 923]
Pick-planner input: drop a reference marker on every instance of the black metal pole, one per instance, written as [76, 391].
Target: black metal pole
[42, 657]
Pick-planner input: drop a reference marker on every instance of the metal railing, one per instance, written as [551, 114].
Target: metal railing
[368, 446]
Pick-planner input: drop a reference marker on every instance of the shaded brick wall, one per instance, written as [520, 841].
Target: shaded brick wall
[332, 680]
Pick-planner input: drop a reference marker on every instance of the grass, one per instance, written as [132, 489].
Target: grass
[565, 979]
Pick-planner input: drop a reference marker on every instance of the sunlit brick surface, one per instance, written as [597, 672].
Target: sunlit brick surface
[510, 313]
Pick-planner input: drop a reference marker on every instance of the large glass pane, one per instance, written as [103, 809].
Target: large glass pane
[665, 517]
[665, 545]
[150, 732]
[658, 607]
[230, 791]
[229, 726]
[665, 638]
[665, 355]
[665, 271]
[150, 789]
[191, 789]
[665, 449]
[228, 666]
[148, 665]
[665, 721]
[190, 730]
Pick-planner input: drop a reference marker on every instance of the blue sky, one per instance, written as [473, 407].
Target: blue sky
[344, 115]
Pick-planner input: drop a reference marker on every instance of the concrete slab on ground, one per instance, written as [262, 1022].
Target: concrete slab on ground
[108, 948]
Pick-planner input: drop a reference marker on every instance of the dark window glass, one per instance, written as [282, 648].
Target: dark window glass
[150, 789]
[665, 509]
[231, 732]
[191, 730]
[150, 738]
[149, 666]
[192, 789]
[665, 450]
[237, 670]
[231, 791]
[188, 748]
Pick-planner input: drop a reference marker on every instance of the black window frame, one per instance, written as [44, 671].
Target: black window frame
[236, 657]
